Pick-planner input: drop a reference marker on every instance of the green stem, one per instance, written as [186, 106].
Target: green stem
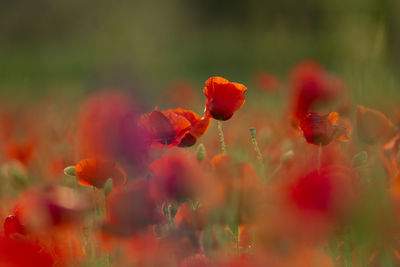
[257, 149]
[221, 137]
[275, 171]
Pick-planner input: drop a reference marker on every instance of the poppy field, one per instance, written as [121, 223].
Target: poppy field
[205, 133]
[315, 182]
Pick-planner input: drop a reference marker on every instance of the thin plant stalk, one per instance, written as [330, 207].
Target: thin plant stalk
[221, 137]
[257, 149]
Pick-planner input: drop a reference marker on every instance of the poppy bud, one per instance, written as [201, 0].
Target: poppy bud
[200, 153]
[108, 186]
[287, 156]
[70, 171]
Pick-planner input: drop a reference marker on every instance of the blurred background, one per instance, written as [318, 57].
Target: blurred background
[74, 47]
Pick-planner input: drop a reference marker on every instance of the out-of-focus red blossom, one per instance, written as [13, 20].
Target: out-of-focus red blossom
[223, 97]
[21, 150]
[132, 210]
[164, 129]
[373, 126]
[197, 260]
[326, 192]
[12, 225]
[143, 247]
[19, 252]
[267, 82]
[177, 176]
[199, 126]
[320, 129]
[222, 165]
[51, 206]
[311, 84]
[95, 172]
[186, 219]
[55, 167]
[181, 244]
[107, 128]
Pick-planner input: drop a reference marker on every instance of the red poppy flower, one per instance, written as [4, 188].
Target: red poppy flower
[95, 172]
[311, 83]
[199, 126]
[164, 129]
[326, 192]
[20, 252]
[49, 206]
[320, 129]
[223, 97]
[12, 225]
[132, 210]
[22, 151]
[107, 128]
[176, 177]
[373, 126]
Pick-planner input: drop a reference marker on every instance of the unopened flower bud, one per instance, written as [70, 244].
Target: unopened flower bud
[200, 153]
[108, 186]
[70, 171]
[287, 156]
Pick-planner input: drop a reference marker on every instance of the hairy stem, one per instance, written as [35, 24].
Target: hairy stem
[221, 137]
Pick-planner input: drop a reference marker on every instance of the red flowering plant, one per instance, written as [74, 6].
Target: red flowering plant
[166, 129]
[177, 177]
[145, 193]
[223, 97]
[320, 129]
[107, 129]
[96, 172]
[132, 210]
[311, 84]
